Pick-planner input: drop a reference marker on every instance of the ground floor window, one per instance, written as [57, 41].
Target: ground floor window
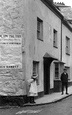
[36, 69]
[68, 71]
[56, 71]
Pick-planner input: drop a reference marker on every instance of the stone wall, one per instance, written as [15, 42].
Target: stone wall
[11, 16]
[11, 24]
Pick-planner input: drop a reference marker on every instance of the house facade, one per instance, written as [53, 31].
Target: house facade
[49, 45]
[44, 43]
[66, 36]
[66, 49]
[33, 37]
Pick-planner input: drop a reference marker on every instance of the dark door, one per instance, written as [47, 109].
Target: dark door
[46, 75]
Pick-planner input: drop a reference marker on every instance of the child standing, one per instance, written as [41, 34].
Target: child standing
[33, 87]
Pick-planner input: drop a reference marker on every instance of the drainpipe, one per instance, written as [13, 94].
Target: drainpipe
[61, 42]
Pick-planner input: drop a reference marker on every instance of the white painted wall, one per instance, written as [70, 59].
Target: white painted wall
[67, 58]
[37, 48]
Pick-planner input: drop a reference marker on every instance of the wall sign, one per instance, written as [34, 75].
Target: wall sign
[10, 51]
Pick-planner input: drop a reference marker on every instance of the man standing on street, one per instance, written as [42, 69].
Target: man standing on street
[64, 80]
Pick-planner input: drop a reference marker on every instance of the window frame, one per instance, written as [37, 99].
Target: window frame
[36, 69]
[39, 29]
[67, 45]
[55, 41]
[56, 71]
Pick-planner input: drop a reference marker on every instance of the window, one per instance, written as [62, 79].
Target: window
[55, 38]
[39, 29]
[67, 45]
[68, 71]
[56, 71]
[36, 69]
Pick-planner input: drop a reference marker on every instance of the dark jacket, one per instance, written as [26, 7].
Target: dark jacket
[64, 77]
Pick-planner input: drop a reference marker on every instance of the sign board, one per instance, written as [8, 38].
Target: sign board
[10, 51]
[11, 76]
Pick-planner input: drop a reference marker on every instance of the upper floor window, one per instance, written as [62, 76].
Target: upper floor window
[67, 45]
[54, 38]
[39, 29]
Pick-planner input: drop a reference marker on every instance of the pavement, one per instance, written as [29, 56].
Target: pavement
[53, 97]
[46, 99]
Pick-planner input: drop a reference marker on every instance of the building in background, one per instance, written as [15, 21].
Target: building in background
[66, 11]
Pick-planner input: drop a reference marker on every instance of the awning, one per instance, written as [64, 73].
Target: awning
[58, 61]
[47, 55]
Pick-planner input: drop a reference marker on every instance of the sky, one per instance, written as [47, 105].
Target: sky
[66, 2]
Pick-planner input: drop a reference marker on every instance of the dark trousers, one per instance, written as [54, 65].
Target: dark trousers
[31, 99]
[65, 84]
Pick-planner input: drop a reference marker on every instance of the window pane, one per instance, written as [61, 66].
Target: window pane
[38, 26]
[39, 29]
[56, 71]
[67, 45]
[38, 35]
[36, 69]
[54, 38]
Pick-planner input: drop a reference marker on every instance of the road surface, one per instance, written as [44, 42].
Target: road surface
[63, 107]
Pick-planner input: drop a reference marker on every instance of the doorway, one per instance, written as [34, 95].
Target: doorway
[48, 58]
[46, 76]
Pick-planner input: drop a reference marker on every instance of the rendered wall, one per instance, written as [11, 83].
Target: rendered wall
[67, 58]
[38, 48]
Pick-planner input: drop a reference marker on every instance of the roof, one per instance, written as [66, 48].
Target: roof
[58, 12]
[67, 12]
[52, 7]
[67, 24]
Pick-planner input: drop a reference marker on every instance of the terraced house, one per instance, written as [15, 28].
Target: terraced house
[34, 36]
[50, 42]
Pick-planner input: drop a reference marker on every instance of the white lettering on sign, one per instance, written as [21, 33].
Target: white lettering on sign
[10, 51]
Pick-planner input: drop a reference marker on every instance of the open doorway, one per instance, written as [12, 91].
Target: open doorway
[46, 76]
[47, 62]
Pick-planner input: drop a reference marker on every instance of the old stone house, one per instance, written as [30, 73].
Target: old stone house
[34, 36]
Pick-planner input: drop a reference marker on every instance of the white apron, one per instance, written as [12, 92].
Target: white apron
[33, 88]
